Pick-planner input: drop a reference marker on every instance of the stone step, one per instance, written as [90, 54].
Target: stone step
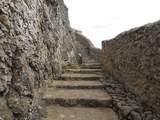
[89, 60]
[79, 113]
[84, 66]
[72, 76]
[80, 97]
[92, 63]
[77, 84]
[86, 71]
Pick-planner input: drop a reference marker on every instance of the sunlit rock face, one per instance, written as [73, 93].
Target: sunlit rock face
[133, 57]
[35, 42]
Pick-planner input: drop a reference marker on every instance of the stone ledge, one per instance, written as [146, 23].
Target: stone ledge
[125, 103]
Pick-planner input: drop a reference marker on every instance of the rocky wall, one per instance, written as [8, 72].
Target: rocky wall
[86, 48]
[133, 58]
[35, 41]
[95, 53]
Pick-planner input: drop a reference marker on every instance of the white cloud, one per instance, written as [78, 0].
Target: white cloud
[103, 19]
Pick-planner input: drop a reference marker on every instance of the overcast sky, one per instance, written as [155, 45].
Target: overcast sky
[104, 19]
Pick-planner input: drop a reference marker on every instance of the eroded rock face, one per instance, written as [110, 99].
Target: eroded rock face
[35, 41]
[133, 58]
[86, 48]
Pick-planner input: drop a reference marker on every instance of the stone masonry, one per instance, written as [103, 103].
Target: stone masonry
[133, 58]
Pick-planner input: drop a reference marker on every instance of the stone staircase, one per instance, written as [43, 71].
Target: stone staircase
[79, 95]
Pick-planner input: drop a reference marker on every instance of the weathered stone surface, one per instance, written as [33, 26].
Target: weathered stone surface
[5, 112]
[79, 84]
[74, 76]
[80, 113]
[36, 40]
[133, 58]
[83, 102]
[125, 102]
[86, 48]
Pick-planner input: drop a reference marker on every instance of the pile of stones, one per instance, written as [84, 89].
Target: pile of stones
[125, 103]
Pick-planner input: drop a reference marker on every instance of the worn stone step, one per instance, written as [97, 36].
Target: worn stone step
[72, 76]
[89, 60]
[70, 98]
[77, 84]
[93, 63]
[84, 66]
[86, 71]
[79, 113]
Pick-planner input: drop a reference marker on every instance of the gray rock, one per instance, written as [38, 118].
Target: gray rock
[134, 116]
[5, 112]
[36, 41]
[133, 58]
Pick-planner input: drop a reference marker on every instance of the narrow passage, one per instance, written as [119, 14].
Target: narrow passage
[79, 95]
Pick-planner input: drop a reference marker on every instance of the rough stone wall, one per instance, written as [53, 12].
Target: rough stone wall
[133, 57]
[86, 48]
[96, 53]
[35, 41]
